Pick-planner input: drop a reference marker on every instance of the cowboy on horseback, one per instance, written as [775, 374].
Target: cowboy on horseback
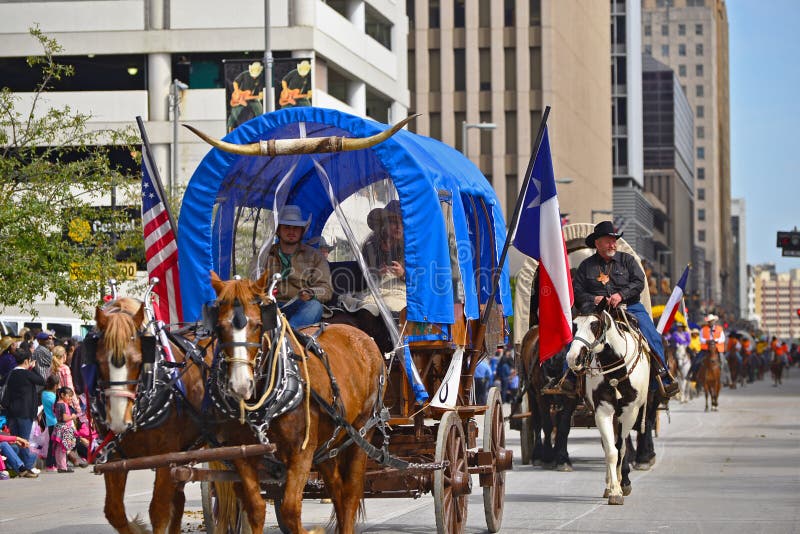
[613, 278]
[710, 333]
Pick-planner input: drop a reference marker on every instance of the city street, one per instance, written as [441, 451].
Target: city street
[735, 470]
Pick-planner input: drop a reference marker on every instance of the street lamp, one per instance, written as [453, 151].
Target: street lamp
[601, 212]
[177, 86]
[466, 126]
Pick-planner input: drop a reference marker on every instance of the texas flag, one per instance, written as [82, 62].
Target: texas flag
[538, 235]
[674, 302]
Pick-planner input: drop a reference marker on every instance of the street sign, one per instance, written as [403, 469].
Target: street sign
[789, 241]
[127, 270]
[790, 252]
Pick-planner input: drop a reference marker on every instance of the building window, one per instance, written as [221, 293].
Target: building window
[701, 193]
[433, 14]
[698, 91]
[534, 11]
[485, 74]
[683, 88]
[698, 69]
[460, 68]
[664, 29]
[681, 49]
[510, 60]
[698, 49]
[458, 13]
[701, 173]
[701, 152]
[508, 13]
[648, 30]
[701, 214]
[701, 236]
[648, 49]
[681, 29]
[665, 50]
[698, 29]
[701, 112]
[378, 27]
[701, 132]
[681, 70]
[434, 72]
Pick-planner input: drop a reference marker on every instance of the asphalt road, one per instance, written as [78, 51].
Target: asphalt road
[736, 470]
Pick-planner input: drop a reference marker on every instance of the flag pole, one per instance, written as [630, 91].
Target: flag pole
[512, 228]
[147, 154]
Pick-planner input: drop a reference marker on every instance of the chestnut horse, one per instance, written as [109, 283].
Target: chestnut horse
[119, 360]
[348, 374]
[709, 375]
[776, 369]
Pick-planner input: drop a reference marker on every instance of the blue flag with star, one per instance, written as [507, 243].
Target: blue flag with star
[541, 188]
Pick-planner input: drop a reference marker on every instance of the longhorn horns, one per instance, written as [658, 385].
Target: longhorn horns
[308, 145]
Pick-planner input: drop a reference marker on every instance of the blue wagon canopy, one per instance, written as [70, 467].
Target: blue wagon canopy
[425, 174]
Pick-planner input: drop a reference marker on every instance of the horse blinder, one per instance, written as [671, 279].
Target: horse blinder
[210, 316]
[269, 316]
[90, 347]
[149, 349]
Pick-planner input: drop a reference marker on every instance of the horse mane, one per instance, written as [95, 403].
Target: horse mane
[237, 289]
[120, 329]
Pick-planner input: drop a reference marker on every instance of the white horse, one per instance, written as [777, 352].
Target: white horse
[684, 365]
[617, 371]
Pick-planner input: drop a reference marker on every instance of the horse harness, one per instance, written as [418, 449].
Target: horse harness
[620, 363]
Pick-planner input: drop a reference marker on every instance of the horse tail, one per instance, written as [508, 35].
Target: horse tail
[137, 525]
[361, 517]
[227, 505]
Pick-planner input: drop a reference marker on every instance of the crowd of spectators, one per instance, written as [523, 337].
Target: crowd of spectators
[496, 371]
[43, 422]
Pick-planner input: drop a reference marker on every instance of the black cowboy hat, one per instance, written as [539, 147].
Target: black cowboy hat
[601, 229]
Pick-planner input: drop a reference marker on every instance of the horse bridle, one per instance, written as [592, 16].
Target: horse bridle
[589, 346]
[268, 323]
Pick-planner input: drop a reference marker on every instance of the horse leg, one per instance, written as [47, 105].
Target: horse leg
[563, 426]
[705, 391]
[604, 417]
[163, 512]
[537, 417]
[299, 466]
[249, 492]
[626, 467]
[548, 454]
[345, 484]
[114, 509]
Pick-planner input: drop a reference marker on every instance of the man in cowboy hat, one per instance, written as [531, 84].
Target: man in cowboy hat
[384, 248]
[616, 279]
[306, 281]
[710, 334]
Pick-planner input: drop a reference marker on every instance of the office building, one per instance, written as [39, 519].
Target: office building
[691, 36]
[502, 63]
[777, 299]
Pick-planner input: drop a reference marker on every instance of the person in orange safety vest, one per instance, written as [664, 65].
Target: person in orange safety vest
[711, 331]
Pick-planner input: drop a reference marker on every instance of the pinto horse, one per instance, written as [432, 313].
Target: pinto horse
[683, 364]
[348, 373]
[119, 359]
[617, 371]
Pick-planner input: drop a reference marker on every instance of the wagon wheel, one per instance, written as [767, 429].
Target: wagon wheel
[208, 497]
[494, 439]
[526, 439]
[453, 484]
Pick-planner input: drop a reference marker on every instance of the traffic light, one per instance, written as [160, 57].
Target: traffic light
[789, 242]
[798, 312]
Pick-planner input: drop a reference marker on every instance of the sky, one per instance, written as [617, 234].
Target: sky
[764, 40]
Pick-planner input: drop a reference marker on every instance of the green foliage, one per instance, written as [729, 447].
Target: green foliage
[54, 167]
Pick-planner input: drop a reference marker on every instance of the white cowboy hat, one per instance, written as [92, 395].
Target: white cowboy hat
[290, 215]
[710, 317]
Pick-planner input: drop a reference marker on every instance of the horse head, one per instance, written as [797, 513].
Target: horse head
[118, 355]
[239, 327]
[589, 339]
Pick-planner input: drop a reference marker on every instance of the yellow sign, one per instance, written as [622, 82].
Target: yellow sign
[127, 270]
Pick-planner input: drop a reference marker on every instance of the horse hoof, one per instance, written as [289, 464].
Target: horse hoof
[626, 490]
[616, 499]
[564, 468]
[548, 465]
[536, 463]
[607, 493]
[644, 466]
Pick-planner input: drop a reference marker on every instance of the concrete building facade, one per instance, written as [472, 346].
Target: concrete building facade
[739, 270]
[777, 299]
[669, 170]
[691, 36]
[502, 63]
[357, 47]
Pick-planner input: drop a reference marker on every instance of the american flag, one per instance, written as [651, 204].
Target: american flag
[161, 248]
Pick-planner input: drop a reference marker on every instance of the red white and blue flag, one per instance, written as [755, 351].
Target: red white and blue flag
[673, 304]
[538, 235]
[160, 245]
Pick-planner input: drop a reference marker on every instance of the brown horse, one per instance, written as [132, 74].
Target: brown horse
[776, 369]
[350, 356]
[550, 414]
[709, 375]
[119, 360]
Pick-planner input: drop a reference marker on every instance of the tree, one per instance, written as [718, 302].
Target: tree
[54, 171]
